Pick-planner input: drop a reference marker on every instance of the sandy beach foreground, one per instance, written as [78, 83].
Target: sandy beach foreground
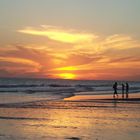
[100, 119]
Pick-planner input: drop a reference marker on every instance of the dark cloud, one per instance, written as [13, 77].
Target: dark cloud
[4, 73]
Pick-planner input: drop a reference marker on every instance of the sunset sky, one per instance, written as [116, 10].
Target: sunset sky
[70, 39]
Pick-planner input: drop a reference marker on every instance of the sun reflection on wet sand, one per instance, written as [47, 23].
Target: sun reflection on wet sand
[93, 97]
[71, 119]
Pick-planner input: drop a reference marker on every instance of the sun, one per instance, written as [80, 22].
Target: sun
[67, 76]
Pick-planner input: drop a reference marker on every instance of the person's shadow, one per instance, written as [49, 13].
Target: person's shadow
[114, 103]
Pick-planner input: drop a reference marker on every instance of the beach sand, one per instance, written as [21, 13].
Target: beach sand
[74, 118]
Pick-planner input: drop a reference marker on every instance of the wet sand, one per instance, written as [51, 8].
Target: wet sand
[70, 119]
[134, 96]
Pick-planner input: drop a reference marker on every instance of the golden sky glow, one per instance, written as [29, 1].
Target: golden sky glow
[72, 54]
[76, 39]
[59, 34]
[69, 68]
[66, 76]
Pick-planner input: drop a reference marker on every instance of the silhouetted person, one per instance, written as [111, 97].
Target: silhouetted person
[127, 90]
[123, 86]
[115, 90]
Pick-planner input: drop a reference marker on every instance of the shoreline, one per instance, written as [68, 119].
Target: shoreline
[19, 99]
[132, 97]
[102, 118]
[77, 101]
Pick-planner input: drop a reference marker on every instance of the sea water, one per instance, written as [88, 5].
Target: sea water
[51, 89]
[41, 119]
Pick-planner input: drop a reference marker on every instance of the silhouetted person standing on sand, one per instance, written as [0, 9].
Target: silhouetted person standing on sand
[115, 89]
[123, 86]
[127, 90]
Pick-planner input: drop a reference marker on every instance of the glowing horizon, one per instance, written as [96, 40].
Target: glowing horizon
[92, 58]
[70, 43]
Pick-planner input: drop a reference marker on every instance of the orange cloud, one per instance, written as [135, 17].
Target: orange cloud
[19, 60]
[70, 54]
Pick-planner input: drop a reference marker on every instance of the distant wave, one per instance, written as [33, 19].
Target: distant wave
[61, 88]
[20, 118]
[32, 85]
[50, 86]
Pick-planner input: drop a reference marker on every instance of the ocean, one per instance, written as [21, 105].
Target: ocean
[54, 89]
[34, 109]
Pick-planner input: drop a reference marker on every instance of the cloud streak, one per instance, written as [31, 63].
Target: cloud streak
[72, 54]
[58, 34]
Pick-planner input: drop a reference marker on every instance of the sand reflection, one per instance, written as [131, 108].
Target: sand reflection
[81, 122]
